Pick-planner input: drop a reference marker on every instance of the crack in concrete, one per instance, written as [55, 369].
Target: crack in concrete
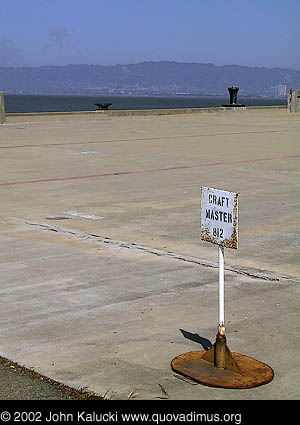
[255, 273]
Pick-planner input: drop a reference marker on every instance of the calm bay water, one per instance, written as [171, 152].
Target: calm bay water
[21, 103]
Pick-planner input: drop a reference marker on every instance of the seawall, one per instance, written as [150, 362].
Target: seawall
[93, 115]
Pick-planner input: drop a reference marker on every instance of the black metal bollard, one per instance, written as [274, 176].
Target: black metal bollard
[103, 106]
[233, 91]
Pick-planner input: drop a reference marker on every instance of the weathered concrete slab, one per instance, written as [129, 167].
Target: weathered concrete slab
[98, 298]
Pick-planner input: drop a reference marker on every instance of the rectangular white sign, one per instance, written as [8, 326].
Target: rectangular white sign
[219, 217]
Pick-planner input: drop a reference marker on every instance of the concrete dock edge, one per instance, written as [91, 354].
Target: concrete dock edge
[92, 115]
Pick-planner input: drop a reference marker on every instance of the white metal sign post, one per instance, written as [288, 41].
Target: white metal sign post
[219, 225]
[218, 367]
[221, 288]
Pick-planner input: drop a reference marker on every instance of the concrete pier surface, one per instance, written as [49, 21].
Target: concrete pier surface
[104, 278]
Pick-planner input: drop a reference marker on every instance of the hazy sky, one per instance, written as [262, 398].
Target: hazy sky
[108, 32]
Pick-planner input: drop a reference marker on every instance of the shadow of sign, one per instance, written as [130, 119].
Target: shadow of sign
[206, 344]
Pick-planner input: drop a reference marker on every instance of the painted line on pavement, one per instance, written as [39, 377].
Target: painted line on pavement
[154, 170]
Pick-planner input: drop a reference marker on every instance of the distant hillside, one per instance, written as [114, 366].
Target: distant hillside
[147, 78]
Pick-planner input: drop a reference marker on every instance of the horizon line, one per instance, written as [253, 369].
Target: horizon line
[147, 62]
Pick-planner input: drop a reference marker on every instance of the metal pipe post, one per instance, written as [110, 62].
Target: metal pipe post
[221, 287]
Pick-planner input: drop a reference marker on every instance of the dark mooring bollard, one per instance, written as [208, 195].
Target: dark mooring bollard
[103, 106]
[233, 91]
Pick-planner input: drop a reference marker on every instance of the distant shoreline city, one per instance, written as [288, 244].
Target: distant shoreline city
[150, 79]
[280, 92]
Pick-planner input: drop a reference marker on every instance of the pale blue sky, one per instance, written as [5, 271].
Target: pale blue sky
[108, 32]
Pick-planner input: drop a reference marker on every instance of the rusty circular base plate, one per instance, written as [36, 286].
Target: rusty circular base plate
[253, 372]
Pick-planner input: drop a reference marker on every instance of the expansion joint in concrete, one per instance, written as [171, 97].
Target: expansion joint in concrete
[101, 240]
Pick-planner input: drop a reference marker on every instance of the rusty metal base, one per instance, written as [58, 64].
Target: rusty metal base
[252, 373]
